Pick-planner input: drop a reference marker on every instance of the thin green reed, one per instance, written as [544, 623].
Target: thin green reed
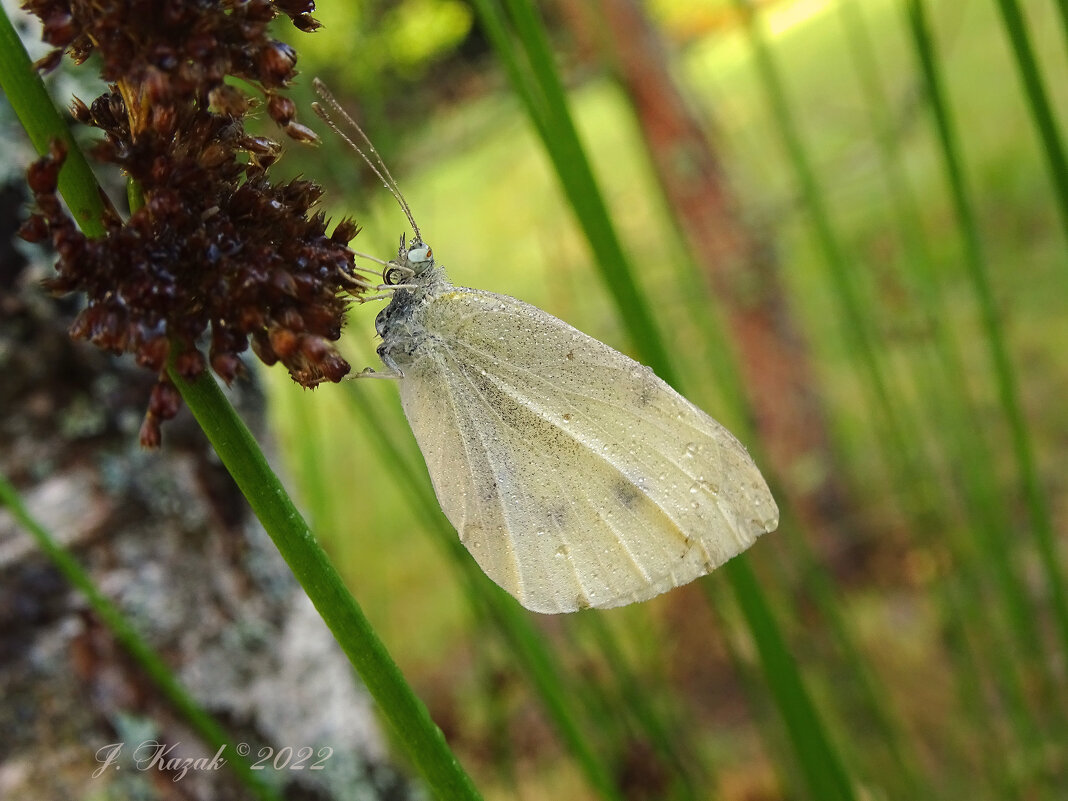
[803, 561]
[820, 764]
[855, 327]
[988, 767]
[856, 331]
[1038, 103]
[25, 92]
[954, 425]
[638, 704]
[237, 450]
[1062, 7]
[776, 741]
[539, 87]
[1001, 363]
[530, 650]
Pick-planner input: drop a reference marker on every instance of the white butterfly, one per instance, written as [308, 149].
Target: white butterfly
[574, 476]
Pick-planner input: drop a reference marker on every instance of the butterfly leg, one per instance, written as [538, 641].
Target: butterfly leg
[369, 298]
[368, 372]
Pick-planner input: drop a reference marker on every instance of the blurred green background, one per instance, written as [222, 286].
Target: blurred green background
[921, 371]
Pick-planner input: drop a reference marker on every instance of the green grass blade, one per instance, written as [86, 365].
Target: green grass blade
[544, 673]
[1038, 103]
[1004, 374]
[540, 89]
[774, 737]
[855, 330]
[1062, 7]
[638, 704]
[853, 319]
[801, 714]
[955, 427]
[819, 762]
[26, 93]
[206, 727]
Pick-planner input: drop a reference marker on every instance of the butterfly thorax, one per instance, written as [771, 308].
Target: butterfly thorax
[400, 324]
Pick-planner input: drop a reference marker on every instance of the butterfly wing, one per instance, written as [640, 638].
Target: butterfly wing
[574, 476]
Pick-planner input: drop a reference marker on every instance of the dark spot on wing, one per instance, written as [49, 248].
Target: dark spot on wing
[626, 493]
[557, 515]
[647, 392]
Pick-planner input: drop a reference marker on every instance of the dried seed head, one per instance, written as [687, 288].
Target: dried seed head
[217, 248]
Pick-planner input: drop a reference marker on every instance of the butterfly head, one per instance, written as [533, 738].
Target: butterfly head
[413, 260]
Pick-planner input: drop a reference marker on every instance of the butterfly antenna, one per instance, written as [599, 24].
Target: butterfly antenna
[384, 175]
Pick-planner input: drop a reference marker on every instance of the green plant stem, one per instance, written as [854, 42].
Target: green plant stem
[410, 719]
[206, 727]
[856, 331]
[1062, 7]
[1038, 104]
[1004, 374]
[817, 759]
[28, 97]
[675, 752]
[852, 316]
[538, 85]
[942, 380]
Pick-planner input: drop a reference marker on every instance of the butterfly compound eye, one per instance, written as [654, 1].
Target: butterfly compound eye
[419, 253]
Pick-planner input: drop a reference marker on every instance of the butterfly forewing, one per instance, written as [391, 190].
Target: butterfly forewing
[574, 475]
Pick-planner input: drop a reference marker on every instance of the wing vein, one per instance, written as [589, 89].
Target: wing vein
[498, 482]
[650, 419]
[503, 507]
[525, 401]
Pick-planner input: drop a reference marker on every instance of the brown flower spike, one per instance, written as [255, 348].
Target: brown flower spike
[217, 254]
